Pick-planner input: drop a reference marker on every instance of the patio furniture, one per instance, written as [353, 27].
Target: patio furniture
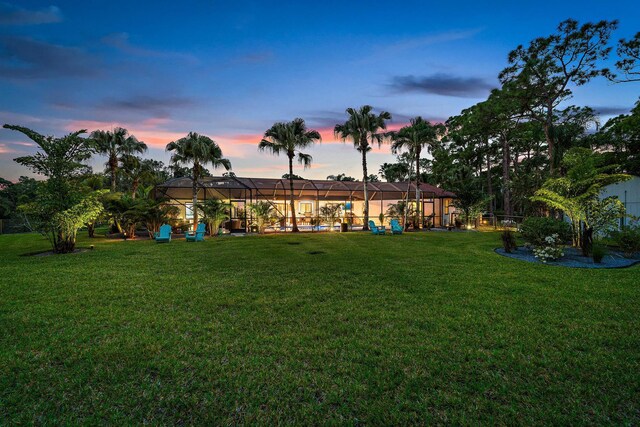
[198, 235]
[379, 230]
[164, 235]
[395, 227]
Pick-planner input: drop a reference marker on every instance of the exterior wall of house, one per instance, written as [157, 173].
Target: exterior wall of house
[628, 192]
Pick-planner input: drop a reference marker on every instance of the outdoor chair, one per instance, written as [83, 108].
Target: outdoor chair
[379, 230]
[198, 235]
[396, 228]
[164, 235]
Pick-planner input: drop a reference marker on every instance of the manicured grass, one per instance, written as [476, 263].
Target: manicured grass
[419, 328]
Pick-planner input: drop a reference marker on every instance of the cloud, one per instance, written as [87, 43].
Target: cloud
[25, 58]
[14, 15]
[156, 106]
[443, 84]
[18, 118]
[6, 150]
[147, 131]
[611, 110]
[121, 42]
[430, 39]
[390, 50]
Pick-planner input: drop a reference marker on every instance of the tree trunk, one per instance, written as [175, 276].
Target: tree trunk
[548, 134]
[113, 166]
[294, 228]
[365, 180]
[419, 219]
[489, 183]
[586, 243]
[506, 191]
[195, 194]
[134, 188]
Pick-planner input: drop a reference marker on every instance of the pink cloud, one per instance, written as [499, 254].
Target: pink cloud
[6, 150]
[146, 131]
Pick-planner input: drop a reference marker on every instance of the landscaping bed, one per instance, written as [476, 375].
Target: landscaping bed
[573, 258]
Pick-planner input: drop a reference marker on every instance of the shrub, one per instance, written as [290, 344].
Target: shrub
[550, 250]
[508, 241]
[627, 239]
[535, 230]
[598, 252]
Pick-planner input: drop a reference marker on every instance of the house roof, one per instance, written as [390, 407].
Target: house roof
[323, 188]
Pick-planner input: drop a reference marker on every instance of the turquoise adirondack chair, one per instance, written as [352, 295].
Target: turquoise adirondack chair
[164, 235]
[396, 228]
[375, 229]
[198, 235]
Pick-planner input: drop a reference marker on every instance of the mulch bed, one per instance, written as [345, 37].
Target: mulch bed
[574, 259]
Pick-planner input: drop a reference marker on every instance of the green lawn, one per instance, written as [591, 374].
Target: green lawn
[419, 328]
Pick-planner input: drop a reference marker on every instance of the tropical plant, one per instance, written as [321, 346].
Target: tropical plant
[400, 211]
[331, 214]
[60, 207]
[199, 151]
[116, 144]
[125, 212]
[363, 128]
[92, 183]
[152, 212]
[419, 135]
[215, 212]
[137, 171]
[575, 193]
[289, 138]
[263, 212]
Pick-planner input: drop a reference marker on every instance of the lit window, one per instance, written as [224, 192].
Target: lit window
[188, 211]
[306, 207]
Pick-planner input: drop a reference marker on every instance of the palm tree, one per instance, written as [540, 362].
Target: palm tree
[363, 128]
[414, 137]
[331, 214]
[115, 144]
[198, 150]
[137, 170]
[289, 138]
[263, 212]
[215, 213]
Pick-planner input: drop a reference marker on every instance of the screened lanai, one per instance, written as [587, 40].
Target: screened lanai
[310, 196]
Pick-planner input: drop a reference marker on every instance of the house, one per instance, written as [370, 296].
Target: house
[628, 192]
[310, 196]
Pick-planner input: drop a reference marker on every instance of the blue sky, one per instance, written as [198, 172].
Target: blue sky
[231, 69]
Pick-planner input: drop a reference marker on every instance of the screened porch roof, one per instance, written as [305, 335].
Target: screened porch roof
[228, 187]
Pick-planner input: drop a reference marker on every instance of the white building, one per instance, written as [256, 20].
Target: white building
[628, 192]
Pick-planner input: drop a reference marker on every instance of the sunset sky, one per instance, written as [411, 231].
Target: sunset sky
[229, 70]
